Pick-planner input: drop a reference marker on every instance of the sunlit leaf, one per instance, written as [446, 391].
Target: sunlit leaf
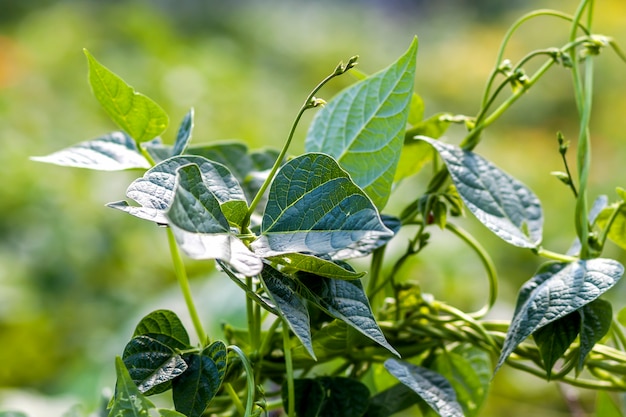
[113, 152]
[293, 262]
[138, 115]
[315, 208]
[555, 291]
[160, 152]
[617, 233]
[194, 390]
[164, 323]
[432, 387]
[363, 126]
[128, 400]
[502, 203]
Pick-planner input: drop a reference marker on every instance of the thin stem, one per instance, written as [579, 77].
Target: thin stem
[249, 378]
[183, 282]
[291, 392]
[235, 398]
[555, 256]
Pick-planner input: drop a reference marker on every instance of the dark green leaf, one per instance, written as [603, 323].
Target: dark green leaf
[314, 207]
[363, 126]
[432, 387]
[284, 292]
[555, 338]
[502, 203]
[309, 397]
[597, 317]
[113, 152]
[194, 390]
[328, 397]
[345, 301]
[138, 115]
[201, 229]
[165, 323]
[391, 401]
[293, 262]
[555, 291]
[151, 364]
[128, 400]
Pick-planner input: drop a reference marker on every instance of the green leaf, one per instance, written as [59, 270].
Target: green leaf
[113, 152]
[201, 229]
[138, 115]
[556, 290]
[293, 262]
[605, 406]
[160, 152]
[169, 413]
[314, 207]
[555, 338]
[363, 126]
[617, 233]
[284, 292]
[332, 340]
[155, 190]
[164, 323]
[151, 364]
[391, 401]
[345, 301]
[328, 397]
[432, 387]
[128, 400]
[597, 317]
[502, 203]
[194, 390]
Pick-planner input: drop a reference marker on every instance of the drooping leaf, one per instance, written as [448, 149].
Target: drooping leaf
[151, 364]
[155, 190]
[502, 203]
[194, 390]
[555, 291]
[328, 397]
[596, 322]
[115, 151]
[345, 301]
[293, 262]
[201, 229]
[128, 400]
[164, 323]
[432, 387]
[555, 338]
[314, 207]
[363, 126]
[135, 113]
[284, 292]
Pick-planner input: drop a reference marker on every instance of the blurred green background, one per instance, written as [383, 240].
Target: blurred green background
[75, 277]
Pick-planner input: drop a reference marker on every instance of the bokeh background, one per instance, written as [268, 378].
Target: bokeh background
[75, 277]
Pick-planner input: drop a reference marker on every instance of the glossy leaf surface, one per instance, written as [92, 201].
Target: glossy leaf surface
[502, 203]
[113, 152]
[135, 113]
[314, 207]
[363, 126]
[556, 290]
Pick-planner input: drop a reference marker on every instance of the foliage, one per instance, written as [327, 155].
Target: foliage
[284, 228]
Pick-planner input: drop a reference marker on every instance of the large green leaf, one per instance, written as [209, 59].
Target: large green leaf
[502, 203]
[432, 387]
[597, 317]
[155, 190]
[151, 364]
[113, 152]
[328, 397]
[194, 390]
[314, 207]
[345, 301]
[363, 126]
[556, 290]
[555, 338]
[291, 305]
[138, 115]
[165, 326]
[293, 262]
[201, 229]
[128, 400]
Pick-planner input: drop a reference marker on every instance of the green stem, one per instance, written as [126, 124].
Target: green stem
[183, 282]
[291, 391]
[249, 378]
[375, 269]
[251, 316]
[235, 398]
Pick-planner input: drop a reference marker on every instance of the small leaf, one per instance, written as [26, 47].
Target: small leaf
[433, 388]
[345, 301]
[194, 390]
[363, 126]
[293, 262]
[138, 115]
[555, 338]
[164, 323]
[329, 397]
[151, 364]
[201, 229]
[314, 207]
[284, 292]
[617, 233]
[183, 136]
[113, 152]
[128, 400]
[502, 203]
[597, 317]
[556, 290]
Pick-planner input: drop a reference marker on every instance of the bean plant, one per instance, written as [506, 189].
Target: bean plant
[323, 338]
